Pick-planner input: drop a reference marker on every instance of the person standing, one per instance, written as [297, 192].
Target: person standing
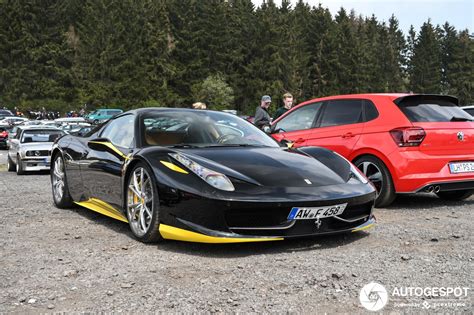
[287, 104]
[262, 118]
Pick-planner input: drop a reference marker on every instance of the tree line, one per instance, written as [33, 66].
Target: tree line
[60, 54]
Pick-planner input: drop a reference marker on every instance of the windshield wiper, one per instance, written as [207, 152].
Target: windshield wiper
[233, 145]
[455, 118]
[181, 146]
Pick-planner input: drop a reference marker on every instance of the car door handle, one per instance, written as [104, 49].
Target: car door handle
[348, 135]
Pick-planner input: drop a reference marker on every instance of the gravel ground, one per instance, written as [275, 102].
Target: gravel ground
[56, 260]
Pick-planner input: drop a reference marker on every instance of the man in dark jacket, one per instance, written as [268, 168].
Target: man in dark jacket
[262, 118]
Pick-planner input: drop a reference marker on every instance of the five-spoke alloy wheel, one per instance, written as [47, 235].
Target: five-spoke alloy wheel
[142, 204]
[376, 171]
[61, 196]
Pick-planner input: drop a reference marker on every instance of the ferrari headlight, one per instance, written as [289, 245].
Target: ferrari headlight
[213, 178]
[357, 174]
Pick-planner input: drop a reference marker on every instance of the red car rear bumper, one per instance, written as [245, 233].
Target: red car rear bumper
[416, 171]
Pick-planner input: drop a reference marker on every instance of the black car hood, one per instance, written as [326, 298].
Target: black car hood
[271, 167]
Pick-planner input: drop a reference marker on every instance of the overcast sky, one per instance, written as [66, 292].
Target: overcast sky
[459, 13]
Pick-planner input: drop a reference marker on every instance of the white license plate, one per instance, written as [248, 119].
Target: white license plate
[306, 213]
[461, 167]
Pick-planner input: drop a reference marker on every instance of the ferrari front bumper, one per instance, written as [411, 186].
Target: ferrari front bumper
[174, 233]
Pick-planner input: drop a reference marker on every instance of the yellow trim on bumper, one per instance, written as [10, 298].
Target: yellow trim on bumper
[173, 167]
[366, 227]
[102, 207]
[173, 233]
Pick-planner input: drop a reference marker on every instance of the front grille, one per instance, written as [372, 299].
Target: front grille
[38, 153]
[357, 211]
[257, 217]
[272, 216]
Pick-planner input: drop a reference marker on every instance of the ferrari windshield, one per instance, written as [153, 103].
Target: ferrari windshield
[201, 129]
[40, 136]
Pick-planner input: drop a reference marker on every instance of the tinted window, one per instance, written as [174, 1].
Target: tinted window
[120, 131]
[300, 119]
[432, 112]
[370, 111]
[342, 112]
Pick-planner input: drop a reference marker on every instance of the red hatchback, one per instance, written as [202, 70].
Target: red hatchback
[404, 143]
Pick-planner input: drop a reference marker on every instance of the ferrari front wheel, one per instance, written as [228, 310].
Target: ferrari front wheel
[143, 204]
[62, 198]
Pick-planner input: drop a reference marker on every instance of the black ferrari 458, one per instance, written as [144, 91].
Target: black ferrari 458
[207, 176]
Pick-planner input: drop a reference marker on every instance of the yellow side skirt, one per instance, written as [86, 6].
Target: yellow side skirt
[172, 233]
[103, 208]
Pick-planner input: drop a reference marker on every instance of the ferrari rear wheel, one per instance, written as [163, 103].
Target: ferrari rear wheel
[376, 171]
[455, 195]
[10, 164]
[143, 205]
[62, 198]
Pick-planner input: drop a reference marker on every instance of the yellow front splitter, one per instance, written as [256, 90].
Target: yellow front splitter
[172, 233]
[367, 225]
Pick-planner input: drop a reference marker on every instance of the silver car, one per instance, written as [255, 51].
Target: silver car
[30, 150]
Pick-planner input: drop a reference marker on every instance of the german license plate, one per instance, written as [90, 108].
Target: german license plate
[461, 167]
[306, 213]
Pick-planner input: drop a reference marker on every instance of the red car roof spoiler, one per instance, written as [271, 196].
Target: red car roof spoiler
[418, 98]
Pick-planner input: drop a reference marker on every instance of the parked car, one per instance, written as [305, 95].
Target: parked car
[30, 150]
[3, 137]
[10, 121]
[73, 127]
[102, 115]
[70, 120]
[5, 113]
[403, 143]
[469, 109]
[191, 180]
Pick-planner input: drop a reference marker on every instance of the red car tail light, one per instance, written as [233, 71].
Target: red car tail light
[4, 134]
[408, 136]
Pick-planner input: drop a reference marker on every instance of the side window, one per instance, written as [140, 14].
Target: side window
[342, 112]
[370, 111]
[120, 131]
[300, 119]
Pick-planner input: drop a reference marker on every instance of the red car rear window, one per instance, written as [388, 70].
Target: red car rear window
[432, 108]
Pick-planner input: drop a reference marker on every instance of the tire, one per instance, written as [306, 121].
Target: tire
[10, 165]
[142, 205]
[19, 166]
[60, 189]
[378, 173]
[455, 195]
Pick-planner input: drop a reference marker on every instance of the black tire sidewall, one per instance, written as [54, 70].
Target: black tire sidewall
[152, 235]
[10, 164]
[19, 166]
[387, 193]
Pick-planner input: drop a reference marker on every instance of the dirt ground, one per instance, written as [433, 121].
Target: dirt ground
[76, 260]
